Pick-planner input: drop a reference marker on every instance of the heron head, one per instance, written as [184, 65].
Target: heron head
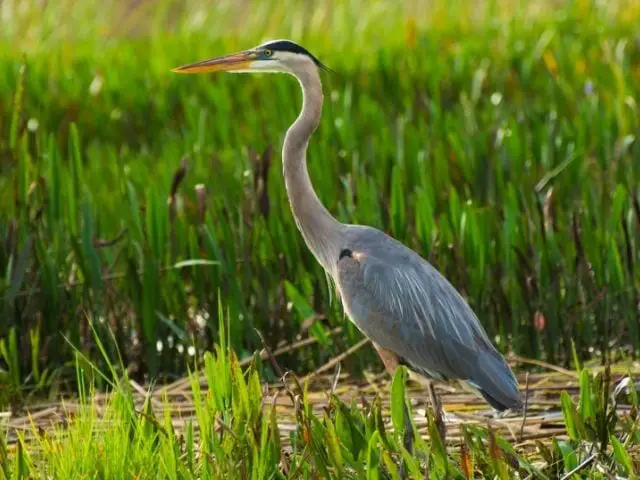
[276, 56]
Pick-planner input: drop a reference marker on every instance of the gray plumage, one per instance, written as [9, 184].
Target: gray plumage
[406, 306]
[395, 297]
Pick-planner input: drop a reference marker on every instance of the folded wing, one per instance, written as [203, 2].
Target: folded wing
[403, 304]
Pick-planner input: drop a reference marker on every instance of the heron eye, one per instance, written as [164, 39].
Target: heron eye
[267, 52]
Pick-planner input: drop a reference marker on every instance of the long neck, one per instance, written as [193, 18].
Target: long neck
[321, 232]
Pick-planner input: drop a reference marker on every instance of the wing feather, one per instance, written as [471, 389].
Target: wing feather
[405, 305]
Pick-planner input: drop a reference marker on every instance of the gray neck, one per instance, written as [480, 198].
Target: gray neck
[321, 232]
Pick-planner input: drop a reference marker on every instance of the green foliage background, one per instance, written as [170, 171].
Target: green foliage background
[498, 139]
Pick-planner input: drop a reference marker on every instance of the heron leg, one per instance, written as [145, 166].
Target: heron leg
[437, 410]
[391, 362]
[390, 359]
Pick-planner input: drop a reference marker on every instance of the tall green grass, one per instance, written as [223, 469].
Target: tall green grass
[235, 434]
[499, 141]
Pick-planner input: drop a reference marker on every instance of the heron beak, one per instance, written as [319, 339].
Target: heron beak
[235, 61]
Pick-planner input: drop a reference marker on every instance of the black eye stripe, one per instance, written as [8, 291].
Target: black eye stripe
[289, 46]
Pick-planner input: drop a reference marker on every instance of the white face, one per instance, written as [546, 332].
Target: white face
[278, 62]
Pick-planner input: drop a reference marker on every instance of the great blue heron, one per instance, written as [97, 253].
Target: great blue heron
[409, 311]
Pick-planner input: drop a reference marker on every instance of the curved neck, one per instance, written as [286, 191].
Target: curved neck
[322, 233]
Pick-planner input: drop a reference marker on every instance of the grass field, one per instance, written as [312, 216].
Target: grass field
[226, 423]
[496, 138]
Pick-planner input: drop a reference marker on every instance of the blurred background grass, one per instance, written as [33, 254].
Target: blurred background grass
[497, 138]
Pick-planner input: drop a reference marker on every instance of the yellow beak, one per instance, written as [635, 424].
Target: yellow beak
[235, 61]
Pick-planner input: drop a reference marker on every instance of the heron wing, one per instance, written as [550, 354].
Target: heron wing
[417, 315]
[405, 305]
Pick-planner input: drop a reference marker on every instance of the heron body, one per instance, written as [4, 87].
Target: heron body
[407, 307]
[411, 313]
